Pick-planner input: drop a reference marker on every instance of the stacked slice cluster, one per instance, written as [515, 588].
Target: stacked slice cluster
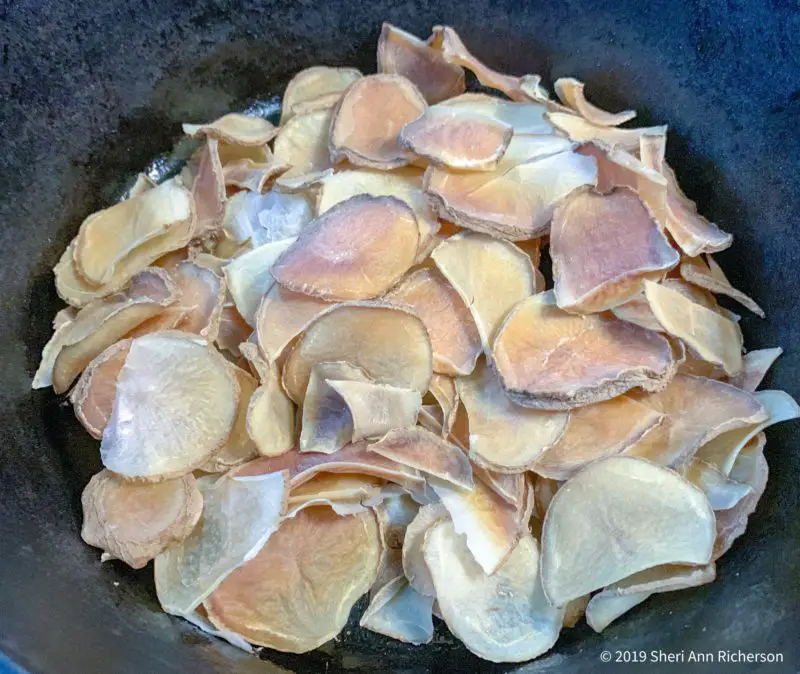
[322, 362]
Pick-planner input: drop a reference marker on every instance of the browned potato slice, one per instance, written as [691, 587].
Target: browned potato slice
[136, 522]
[377, 408]
[570, 91]
[755, 365]
[204, 176]
[603, 247]
[581, 130]
[414, 566]
[503, 617]
[626, 515]
[302, 143]
[236, 129]
[515, 200]
[356, 250]
[390, 344]
[455, 139]
[175, 406]
[400, 53]
[595, 432]
[709, 275]
[400, 612]
[502, 435]
[428, 453]
[270, 414]
[572, 360]
[713, 337]
[297, 592]
[314, 83]
[454, 336]
[491, 276]
[368, 119]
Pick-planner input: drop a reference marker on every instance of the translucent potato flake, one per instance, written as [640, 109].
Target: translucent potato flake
[314, 83]
[721, 492]
[271, 415]
[253, 220]
[203, 174]
[377, 409]
[570, 91]
[603, 246]
[755, 365]
[400, 612]
[356, 250]
[444, 391]
[235, 129]
[254, 176]
[369, 118]
[571, 360]
[525, 118]
[709, 275]
[414, 566]
[302, 143]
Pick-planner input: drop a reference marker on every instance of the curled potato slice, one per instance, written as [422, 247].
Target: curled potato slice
[390, 344]
[582, 130]
[637, 311]
[377, 408]
[414, 566]
[356, 250]
[297, 592]
[721, 492]
[400, 612]
[572, 360]
[570, 91]
[368, 119]
[503, 617]
[204, 176]
[174, 409]
[136, 522]
[525, 118]
[709, 275]
[504, 436]
[603, 609]
[444, 391]
[603, 247]
[250, 175]
[335, 489]
[302, 143]
[755, 365]
[626, 515]
[314, 83]
[400, 53]
[239, 515]
[236, 129]
[454, 336]
[271, 415]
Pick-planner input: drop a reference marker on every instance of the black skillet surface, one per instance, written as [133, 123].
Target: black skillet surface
[93, 91]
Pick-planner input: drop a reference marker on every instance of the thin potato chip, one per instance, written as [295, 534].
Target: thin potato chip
[581, 130]
[709, 275]
[603, 609]
[377, 408]
[204, 176]
[526, 118]
[755, 365]
[444, 391]
[199, 619]
[570, 91]
[233, 329]
[313, 83]
[235, 129]
[637, 311]
[336, 488]
[302, 143]
[271, 415]
[722, 493]
[400, 612]
[414, 566]
[249, 175]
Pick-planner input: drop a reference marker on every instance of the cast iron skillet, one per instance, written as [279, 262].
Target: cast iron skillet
[93, 91]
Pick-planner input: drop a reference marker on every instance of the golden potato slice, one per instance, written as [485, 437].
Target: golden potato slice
[581, 130]
[490, 524]
[444, 391]
[709, 275]
[313, 83]
[259, 219]
[457, 139]
[236, 129]
[696, 410]
[356, 250]
[713, 337]
[302, 143]
[570, 91]
[400, 612]
[502, 435]
[515, 200]
[414, 566]
[454, 335]
[377, 408]
[489, 274]
[722, 493]
[271, 415]
[175, 406]
[400, 53]
[108, 237]
[368, 119]
[204, 176]
[503, 617]
[247, 174]
[297, 592]
[571, 360]
[71, 286]
[390, 344]
[626, 515]
[428, 453]
[526, 118]
[239, 515]
[595, 432]
[136, 522]
[755, 365]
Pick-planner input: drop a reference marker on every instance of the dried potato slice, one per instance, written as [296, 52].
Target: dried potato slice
[570, 91]
[603, 609]
[108, 237]
[581, 130]
[571, 360]
[254, 176]
[368, 119]
[414, 565]
[271, 415]
[597, 431]
[307, 183]
[713, 337]
[356, 250]
[491, 276]
[377, 408]
[233, 329]
[302, 143]
[615, 512]
[390, 344]
[457, 139]
[400, 53]
[637, 311]
[755, 365]
[142, 184]
[258, 219]
[335, 489]
[444, 391]
[490, 524]
[400, 612]
[199, 619]
[502, 435]
[709, 275]
[722, 493]
[454, 336]
[239, 515]
[664, 578]
[525, 118]
[544, 490]
[428, 453]
[236, 129]
[515, 200]
[174, 409]
[503, 617]
[313, 83]
[203, 174]
[70, 285]
[508, 486]
[250, 276]
[603, 247]
[297, 592]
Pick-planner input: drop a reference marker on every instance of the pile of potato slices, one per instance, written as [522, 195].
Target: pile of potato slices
[322, 362]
